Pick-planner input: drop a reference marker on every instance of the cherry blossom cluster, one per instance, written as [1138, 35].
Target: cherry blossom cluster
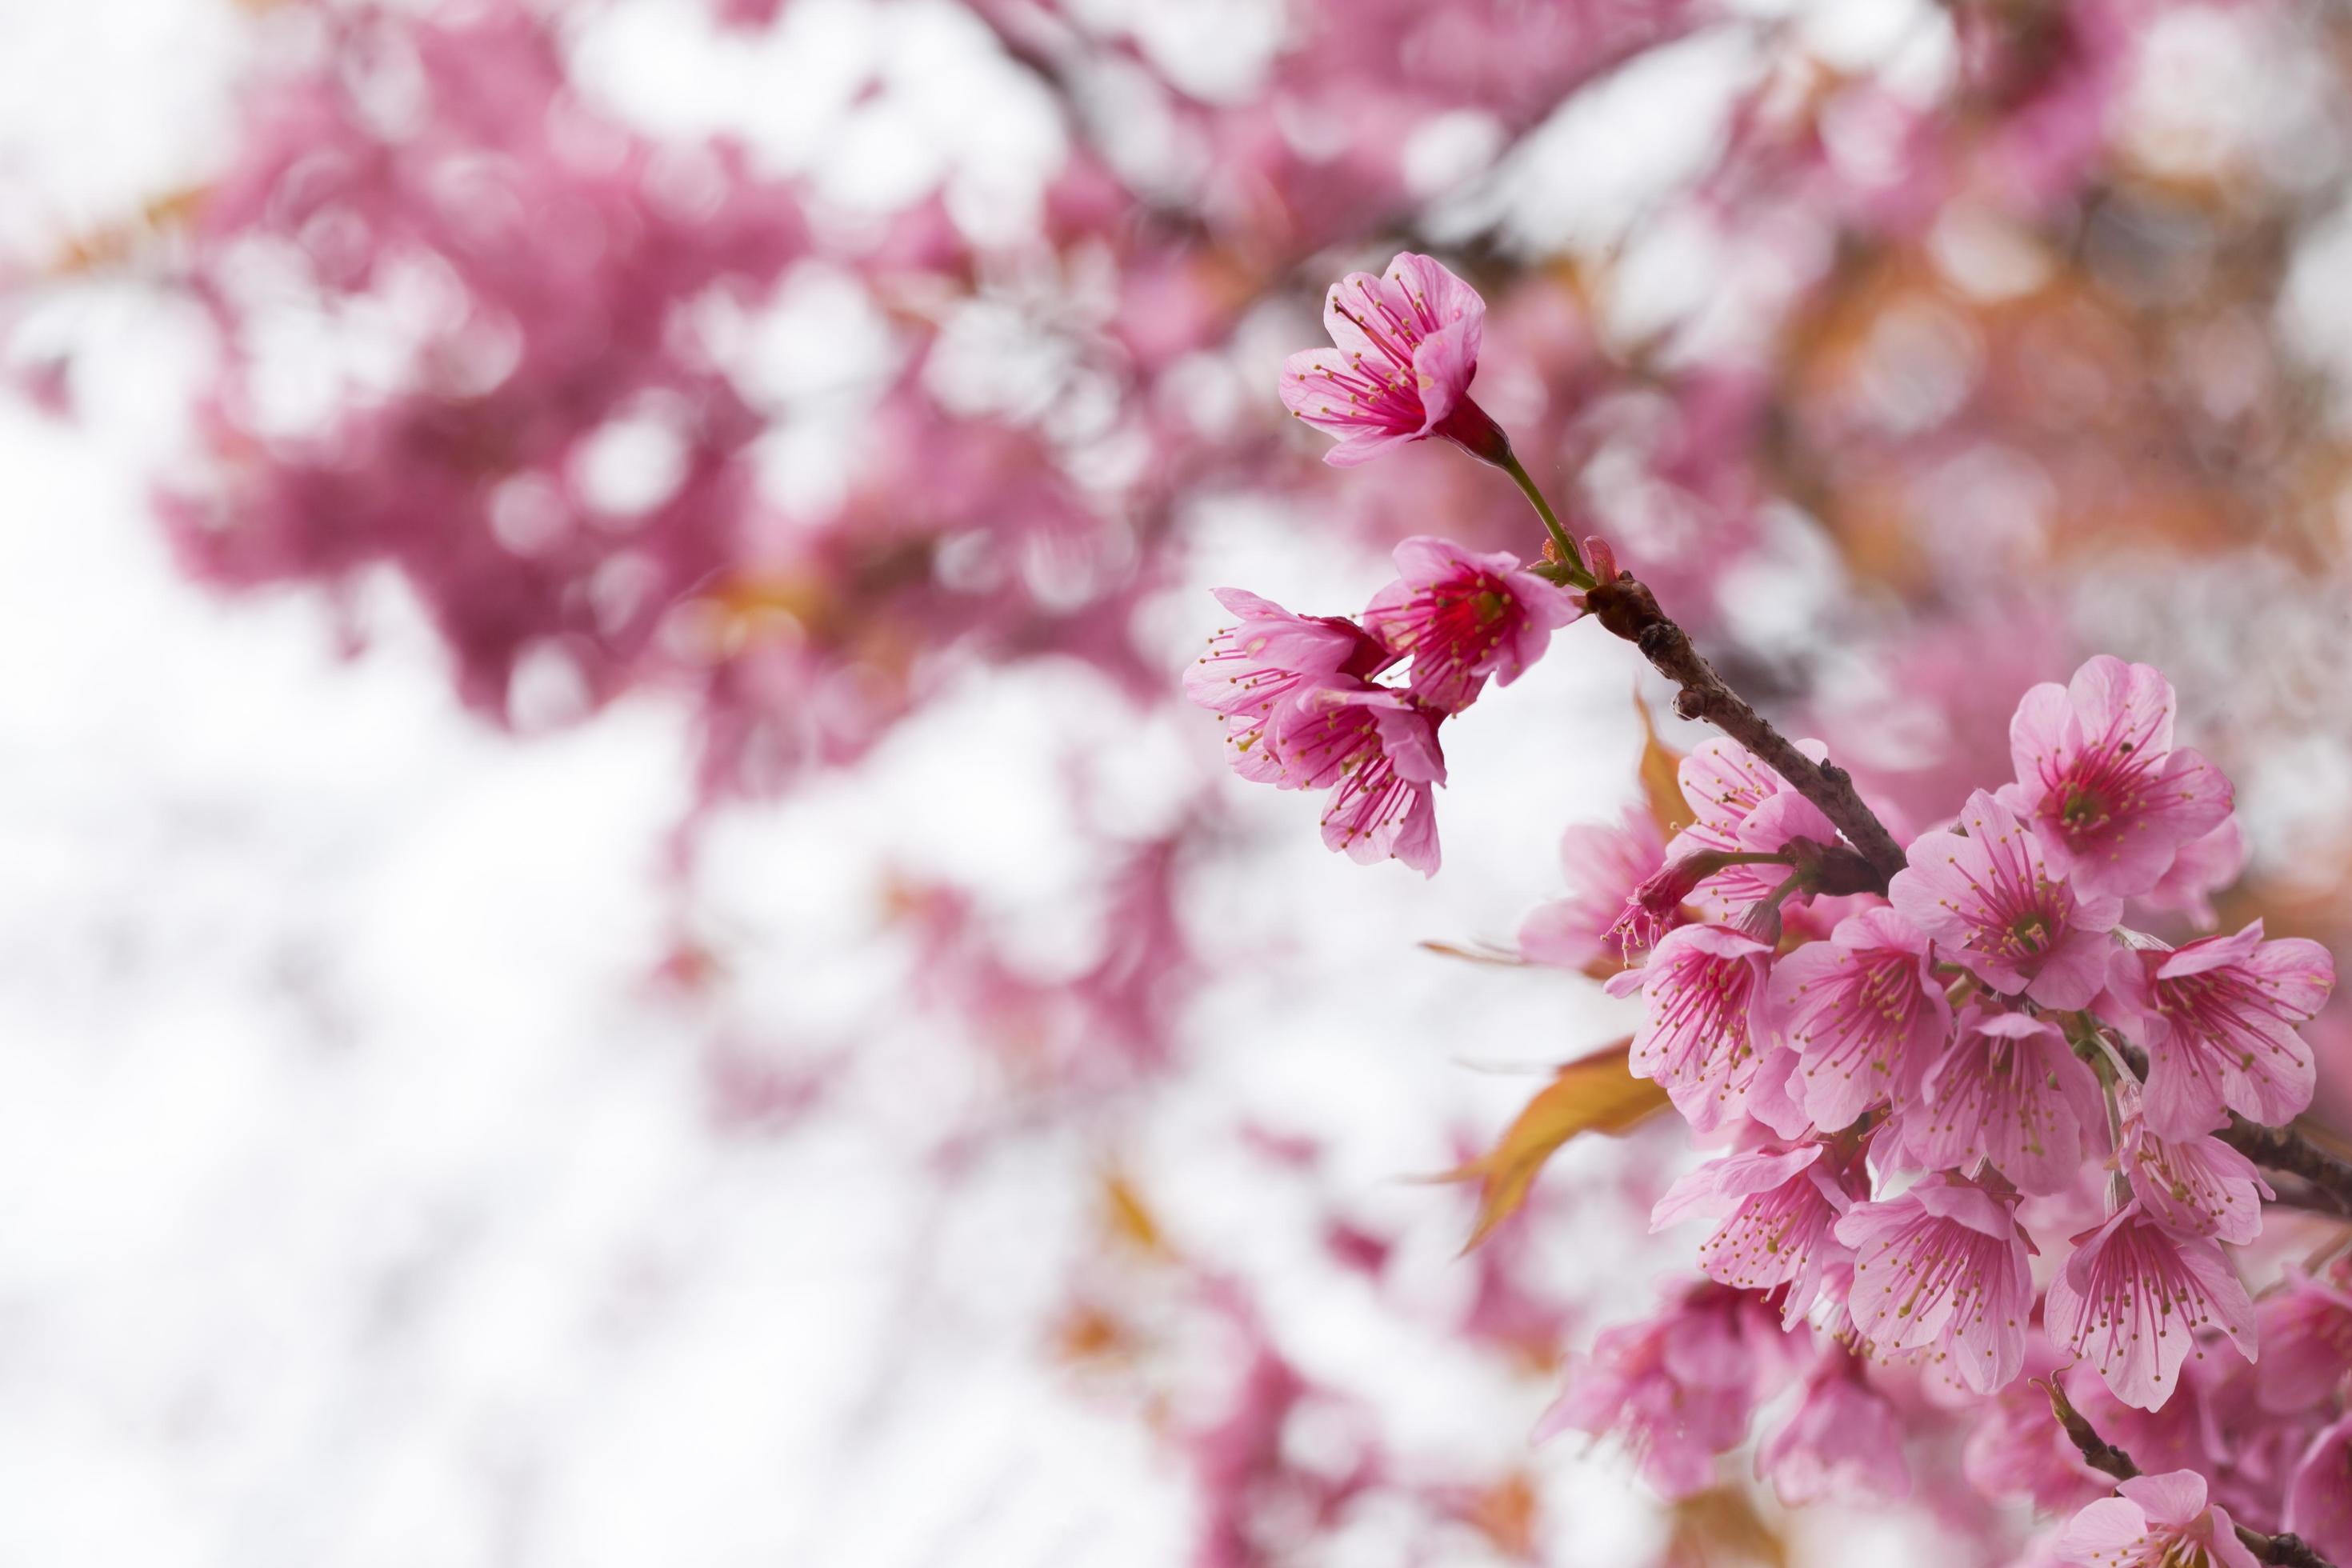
[1968, 1120]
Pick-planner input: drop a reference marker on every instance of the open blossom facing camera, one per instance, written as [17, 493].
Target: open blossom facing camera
[2217, 1020]
[1462, 618]
[1985, 891]
[1866, 1013]
[1406, 347]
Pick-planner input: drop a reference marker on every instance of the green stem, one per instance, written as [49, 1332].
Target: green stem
[1578, 574]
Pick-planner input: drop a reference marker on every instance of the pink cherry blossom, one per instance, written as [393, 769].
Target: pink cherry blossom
[1942, 1269]
[1864, 1012]
[2100, 782]
[1986, 895]
[1782, 1205]
[1464, 616]
[2217, 1020]
[2201, 867]
[1738, 806]
[1407, 347]
[1263, 662]
[2306, 1339]
[1843, 1441]
[2319, 1496]
[2159, 1522]
[1604, 866]
[2018, 1450]
[1702, 993]
[2009, 1089]
[2194, 1186]
[1377, 750]
[1677, 1389]
[2133, 1297]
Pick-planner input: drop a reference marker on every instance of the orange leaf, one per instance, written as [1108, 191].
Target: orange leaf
[1593, 1094]
[1662, 783]
[1721, 1527]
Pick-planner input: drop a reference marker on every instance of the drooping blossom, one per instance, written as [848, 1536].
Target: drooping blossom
[1676, 1389]
[1864, 1012]
[1377, 752]
[2158, 1521]
[2100, 782]
[2009, 1089]
[1464, 616]
[1656, 905]
[1264, 661]
[2133, 1297]
[2306, 1339]
[1942, 1269]
[1740, 805]
[2194, 1186]
[1703, 993]
[2201, 867]
[2319, 1496]
[1984, 892]
[1843, 1441]
[1782, 1206]
[1406, 349]
[2218, 1020]
[1603, 866]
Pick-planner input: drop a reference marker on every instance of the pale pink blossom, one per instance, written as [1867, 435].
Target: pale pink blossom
[1942, 1269]
[2017, 1449]
[1464, 616]
[1865, 1013]
[1262, 662]
[1406, 349]
[2133, 1297]
[2194, 1186]
[1781, 1205]
[2009, 1089]
[2319, 1496]
[2306, 1339]
[1702, 993]
[1377, 750]
[1986, 895]
[1843, 1441]
[2217, 1020]
[2158, 1521]
[1603, 866]
[2202, 868]
[2100, 782]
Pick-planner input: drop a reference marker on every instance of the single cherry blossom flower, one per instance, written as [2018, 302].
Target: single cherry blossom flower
[1740, 807]
[2306, 1340]
[1465, 616]
[2009, 1089]
[2217, 1020]
[1986, 895]
[1377, 750]
[2193, 1186]
[2158, 1521]
[1677, 1389]
[1943, 1269]
[1703, 991]
[1864, 1012]
[1782, 1205]
[2101, 783]
[1262, 662]
[1407, 347]
[2319, 1496]
[2202, 868]
[2132, 1298]
[1843, 1441]
[1604, 866]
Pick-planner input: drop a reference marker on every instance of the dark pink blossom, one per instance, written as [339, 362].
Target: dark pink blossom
[1843, 1441]
[1985, 893]
[2195, 1186]
[1865, 1013]
[1703, 993]
[1782, 1206]
[1377, 752]
[1603, 866]
[1407, 346]
[2217, 1020]
[2319, 1496]
[2133, 1297]
[2101, 783]
[1464, 616]
[1260, 663]
[2011, 1091]
[1942, 1269]
[2158, 1521]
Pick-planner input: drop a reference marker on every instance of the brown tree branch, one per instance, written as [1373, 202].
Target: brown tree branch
[2287, 1551]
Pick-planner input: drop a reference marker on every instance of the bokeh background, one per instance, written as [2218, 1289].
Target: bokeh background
[615, 943]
